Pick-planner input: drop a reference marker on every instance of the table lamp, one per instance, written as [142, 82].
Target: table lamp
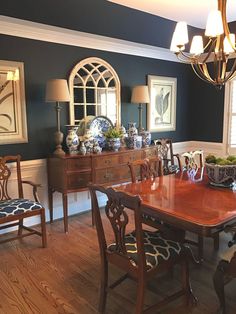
[140, 95]
[57, 91]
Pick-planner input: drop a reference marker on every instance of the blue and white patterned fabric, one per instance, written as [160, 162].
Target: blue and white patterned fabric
[17, 206]
[157, 249]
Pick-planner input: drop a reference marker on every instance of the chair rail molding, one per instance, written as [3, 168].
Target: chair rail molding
[38, 31]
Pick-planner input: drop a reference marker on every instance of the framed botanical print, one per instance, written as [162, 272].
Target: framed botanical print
[161, 111]
[13, 124]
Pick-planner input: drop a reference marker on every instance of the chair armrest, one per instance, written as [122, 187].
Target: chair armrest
[35, 188]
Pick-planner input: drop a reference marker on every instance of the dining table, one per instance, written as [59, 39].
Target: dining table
[186, 200]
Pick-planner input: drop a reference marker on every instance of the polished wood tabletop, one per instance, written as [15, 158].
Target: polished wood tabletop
[190, 203]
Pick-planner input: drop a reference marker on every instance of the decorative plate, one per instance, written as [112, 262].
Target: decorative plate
[98, 126]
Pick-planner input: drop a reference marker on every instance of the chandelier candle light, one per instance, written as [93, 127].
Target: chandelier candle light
[57, 91]
[209, 62]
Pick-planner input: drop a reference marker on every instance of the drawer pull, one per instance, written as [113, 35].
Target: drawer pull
[107, 161]
[107, 176]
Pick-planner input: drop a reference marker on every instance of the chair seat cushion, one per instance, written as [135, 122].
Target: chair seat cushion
[157, 249]
[17, 206]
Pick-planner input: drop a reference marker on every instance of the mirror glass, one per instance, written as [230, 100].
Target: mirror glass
[95, 90]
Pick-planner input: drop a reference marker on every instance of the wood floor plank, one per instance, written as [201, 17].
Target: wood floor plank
[64, 278]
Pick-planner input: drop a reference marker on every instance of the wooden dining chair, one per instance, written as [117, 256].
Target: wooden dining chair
[194, 161]
[226, 270]
[165, 152]
[146, 169]
[140, 254]
[143, 169]
[13, 211]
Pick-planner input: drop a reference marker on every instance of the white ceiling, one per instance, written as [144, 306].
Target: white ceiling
[194, 12]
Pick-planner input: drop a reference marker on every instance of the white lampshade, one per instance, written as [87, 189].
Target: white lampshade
[140, 94]
[173, 45]
[197, 45]
[229, 45]
[57, 90]
[180, 34]
[214, 26]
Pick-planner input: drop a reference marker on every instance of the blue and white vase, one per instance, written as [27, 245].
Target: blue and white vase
[146, 138]
[133, 142]
[132, 130]
[123, 135]
[97, 149]
[72, 139]
[82, 148]
[113, 144]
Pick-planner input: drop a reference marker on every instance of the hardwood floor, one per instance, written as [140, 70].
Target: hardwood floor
[64, 278]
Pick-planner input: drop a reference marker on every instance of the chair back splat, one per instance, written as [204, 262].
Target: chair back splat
[145, 168]
[165, 152]
[14, 210]
[138, 253]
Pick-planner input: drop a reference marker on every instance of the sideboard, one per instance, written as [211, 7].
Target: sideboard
[72, 173]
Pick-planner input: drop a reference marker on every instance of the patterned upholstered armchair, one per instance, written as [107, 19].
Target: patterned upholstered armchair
[226, 269]
[13, 211]
[165, 152]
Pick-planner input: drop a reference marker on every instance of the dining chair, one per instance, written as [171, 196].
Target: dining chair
[13, 211]
[140, 254]
[194, 161]
[148, 168]
[226, 270]
[143, 169]
[165, 152]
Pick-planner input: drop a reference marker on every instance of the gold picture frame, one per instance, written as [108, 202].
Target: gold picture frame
[161, 111]
[13, 123]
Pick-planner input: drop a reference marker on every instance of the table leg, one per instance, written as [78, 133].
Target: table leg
[50, 203]
[65, 211]
[219, 282]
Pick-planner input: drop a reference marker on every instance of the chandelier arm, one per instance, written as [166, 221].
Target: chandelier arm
[217, 69]
[199, 73]
[204, 70]
[232, 72]
[223, 71]
[210, 51]
[222, 8]
[183, 57]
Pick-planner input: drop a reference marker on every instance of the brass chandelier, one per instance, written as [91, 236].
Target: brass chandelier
[215, 62]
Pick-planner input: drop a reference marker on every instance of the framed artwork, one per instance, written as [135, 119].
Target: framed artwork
[13, 124]
[161, 111]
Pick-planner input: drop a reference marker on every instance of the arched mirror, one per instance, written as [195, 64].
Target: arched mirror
[95, 91]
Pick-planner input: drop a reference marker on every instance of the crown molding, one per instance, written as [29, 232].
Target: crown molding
[37, 31]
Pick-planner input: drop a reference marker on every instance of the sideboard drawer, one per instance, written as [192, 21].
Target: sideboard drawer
[78, 163]
[150, 152]
[106, 161]
[78, 180]
[132, 156]
[118, 174]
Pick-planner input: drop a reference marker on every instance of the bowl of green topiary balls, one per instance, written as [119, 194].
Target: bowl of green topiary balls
[221, 171]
